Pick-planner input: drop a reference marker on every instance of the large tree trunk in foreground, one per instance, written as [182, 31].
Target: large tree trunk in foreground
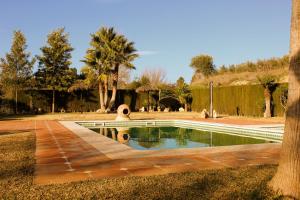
[267, 94]
[115, 77]
[53, 101]
[287, 178]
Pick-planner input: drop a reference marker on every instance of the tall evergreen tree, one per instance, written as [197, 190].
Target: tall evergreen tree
[16, 67]
[54, 70]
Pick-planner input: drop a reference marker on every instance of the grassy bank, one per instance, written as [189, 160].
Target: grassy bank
[17, 167]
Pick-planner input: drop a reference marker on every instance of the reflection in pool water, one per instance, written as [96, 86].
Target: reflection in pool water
[146, 138]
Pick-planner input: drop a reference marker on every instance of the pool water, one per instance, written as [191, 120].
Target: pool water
[154, 138]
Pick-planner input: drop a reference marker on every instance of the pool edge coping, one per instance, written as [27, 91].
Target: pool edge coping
[115, 150]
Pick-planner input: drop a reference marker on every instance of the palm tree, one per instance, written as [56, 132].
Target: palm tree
[95, 69]
[269, 84]
[287, 178]
[146, 86]
[99, 59]
[103, 41]
[108, 52]
[123, 55]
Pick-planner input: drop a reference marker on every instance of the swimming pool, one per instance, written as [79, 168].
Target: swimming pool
[170, 137]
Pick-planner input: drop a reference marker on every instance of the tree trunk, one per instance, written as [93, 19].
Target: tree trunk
[211, 108]
[113, 134]
[53, 101]
[267, 94]
[159, 95]
[148, 104]
[31, 103]
[105, 92]
[101, 100]
[287, 178]
[81, 102]
[185, 107]
[115, 77]
[16, 110]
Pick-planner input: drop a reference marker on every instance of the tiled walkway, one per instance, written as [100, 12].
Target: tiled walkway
[61, 156]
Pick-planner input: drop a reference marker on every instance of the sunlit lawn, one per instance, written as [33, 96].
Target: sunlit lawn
[17, 168]
[133, 115]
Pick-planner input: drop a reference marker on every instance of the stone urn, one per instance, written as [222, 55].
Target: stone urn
[123, 113]
[204, 114]
[215, 114]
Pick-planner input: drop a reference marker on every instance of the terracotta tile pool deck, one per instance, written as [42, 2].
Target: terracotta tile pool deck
[62, 156]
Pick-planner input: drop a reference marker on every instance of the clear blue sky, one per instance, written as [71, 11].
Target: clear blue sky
[167, 32]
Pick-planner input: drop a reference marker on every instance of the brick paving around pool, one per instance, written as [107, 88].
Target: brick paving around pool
[63, 156]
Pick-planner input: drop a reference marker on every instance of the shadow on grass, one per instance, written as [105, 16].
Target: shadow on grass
[16, 168]
[9, 132]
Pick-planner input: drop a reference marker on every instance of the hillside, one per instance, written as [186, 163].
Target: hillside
[246, 73]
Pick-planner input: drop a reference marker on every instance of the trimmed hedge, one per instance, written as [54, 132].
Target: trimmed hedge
[30, 101]
[245, 100]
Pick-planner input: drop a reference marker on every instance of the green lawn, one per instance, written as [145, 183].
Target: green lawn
[17, 167]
